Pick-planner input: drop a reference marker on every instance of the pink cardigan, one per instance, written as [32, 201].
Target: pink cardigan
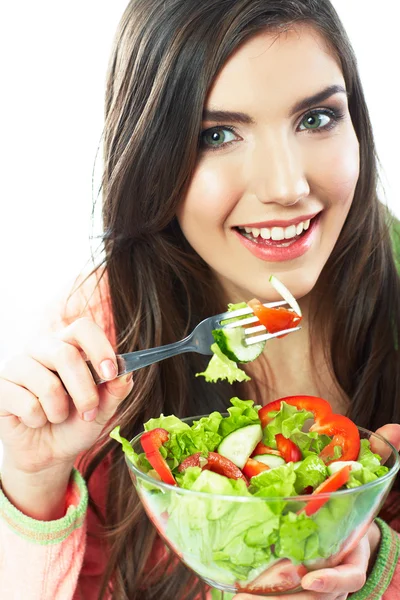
[61, 560]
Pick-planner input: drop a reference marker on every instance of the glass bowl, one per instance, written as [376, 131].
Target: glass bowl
[232, 542]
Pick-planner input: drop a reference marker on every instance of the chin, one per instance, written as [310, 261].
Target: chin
[300, 283]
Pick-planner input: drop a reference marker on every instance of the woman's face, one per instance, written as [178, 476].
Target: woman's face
[278, 166]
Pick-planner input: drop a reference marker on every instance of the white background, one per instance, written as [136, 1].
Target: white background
[53, 63]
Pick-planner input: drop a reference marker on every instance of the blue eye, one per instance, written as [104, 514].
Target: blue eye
[216, 137]
[320, 120]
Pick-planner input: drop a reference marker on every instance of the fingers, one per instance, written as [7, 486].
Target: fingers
[21, 404]
[43, 385]
[350, 576]
[63, 354]
[298, 596]
[71, 368]
[86, 335]
[390, 432]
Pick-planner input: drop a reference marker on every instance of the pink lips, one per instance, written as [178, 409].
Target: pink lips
[272, 251]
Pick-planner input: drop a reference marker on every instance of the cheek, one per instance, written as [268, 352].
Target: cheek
[212, 193]
[337, 170]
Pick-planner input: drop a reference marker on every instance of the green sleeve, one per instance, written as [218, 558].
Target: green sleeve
[395, 237]
[47, 532]
[385, 565]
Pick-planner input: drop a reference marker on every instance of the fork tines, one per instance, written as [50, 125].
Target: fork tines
[246, 311]
[249, 332]
[266, 336]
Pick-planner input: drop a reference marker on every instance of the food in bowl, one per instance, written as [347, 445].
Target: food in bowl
[253, 499]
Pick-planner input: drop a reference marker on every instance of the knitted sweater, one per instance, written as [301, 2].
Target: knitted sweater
[65, 559]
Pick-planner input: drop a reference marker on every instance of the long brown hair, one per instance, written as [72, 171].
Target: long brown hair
[166, 56]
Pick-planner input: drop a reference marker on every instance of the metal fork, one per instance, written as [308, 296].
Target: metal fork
[200, 340]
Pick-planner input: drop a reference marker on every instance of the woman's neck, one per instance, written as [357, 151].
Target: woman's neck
[297, 365]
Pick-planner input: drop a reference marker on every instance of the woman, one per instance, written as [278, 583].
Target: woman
[237, 144]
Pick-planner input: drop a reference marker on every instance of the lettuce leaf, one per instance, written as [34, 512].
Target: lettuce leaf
[277, 482]
[188, 477]
[184, 443]
[226, 533]
[221, 367]
[360, 477]
[369, 460]
[171, 423]
[289, 421]
[126, 446]
[297, 538]
[311, 472]
[286, 421]
[371, 466]
[241, 413]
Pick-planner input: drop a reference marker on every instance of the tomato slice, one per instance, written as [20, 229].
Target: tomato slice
[263, 449]
[332, 484]
[254, 467]
[288, 449]
[345, 434]
[214, 462]
[318, 406]
[274, 319]
[151, 442]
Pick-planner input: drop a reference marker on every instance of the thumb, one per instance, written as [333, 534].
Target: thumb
[390, 432]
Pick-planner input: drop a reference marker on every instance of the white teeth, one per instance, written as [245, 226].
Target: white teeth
[265, 233]
[290, 232]
[277, 233]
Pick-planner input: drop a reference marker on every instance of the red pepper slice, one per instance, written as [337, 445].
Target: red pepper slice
[318, 406]
[263, 449]
[151, 442]
[345, 434]
[344, 431]
[254, 467]
[215, 462]
[332, 484]
[274, 319]
[288, 449]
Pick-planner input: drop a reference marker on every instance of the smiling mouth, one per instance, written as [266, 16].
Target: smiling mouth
[276, 236]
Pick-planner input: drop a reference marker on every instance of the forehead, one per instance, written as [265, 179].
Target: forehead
[274, 68]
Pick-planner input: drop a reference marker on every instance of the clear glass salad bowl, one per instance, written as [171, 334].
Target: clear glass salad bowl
[226, 540]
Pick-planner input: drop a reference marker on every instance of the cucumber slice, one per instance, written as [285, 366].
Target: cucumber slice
[270, 459]
[231, 343]
[238, 445]
[339, 464]
[286, 295]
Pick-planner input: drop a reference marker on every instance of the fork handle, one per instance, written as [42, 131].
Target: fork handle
[132, 361]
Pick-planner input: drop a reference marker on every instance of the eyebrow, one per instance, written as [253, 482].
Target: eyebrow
[317, 98]
[227, 115]
[245, 119]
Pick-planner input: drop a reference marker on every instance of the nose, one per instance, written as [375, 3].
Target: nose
[276, 171]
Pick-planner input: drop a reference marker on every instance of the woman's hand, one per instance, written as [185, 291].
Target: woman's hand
[51, 410]
[329, 584]
[350, 576]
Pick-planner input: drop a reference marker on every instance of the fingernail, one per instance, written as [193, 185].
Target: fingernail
[316, 584]
[108, 369]
[90, 415]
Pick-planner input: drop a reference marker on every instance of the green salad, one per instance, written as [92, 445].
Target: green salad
[270, 453]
